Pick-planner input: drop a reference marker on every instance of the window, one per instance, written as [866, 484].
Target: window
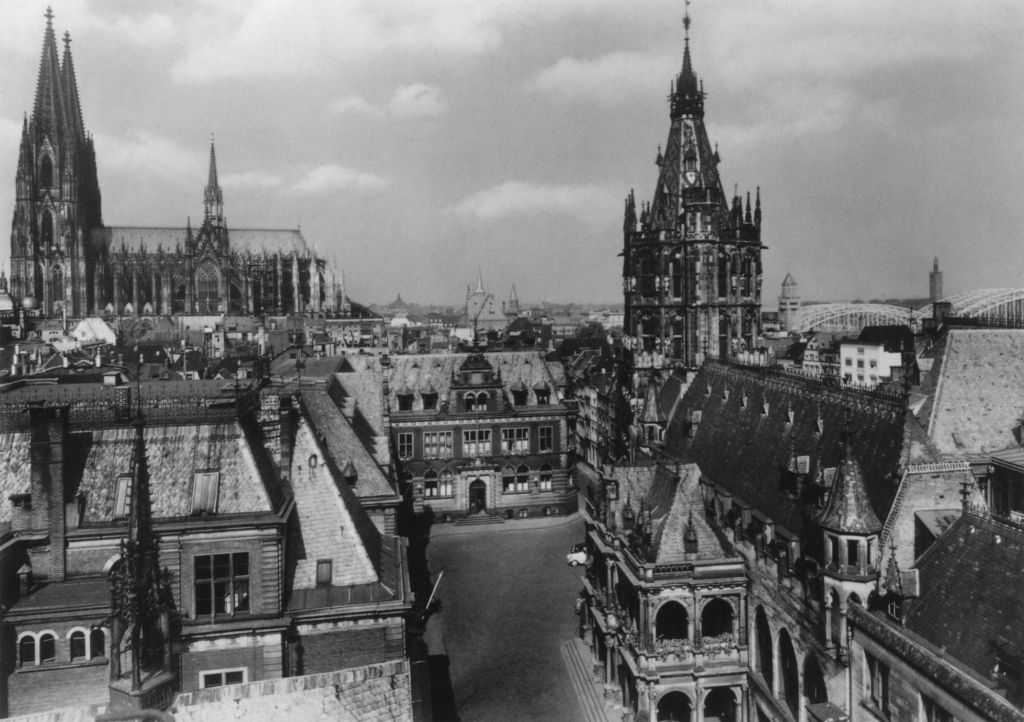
[123, 498]
[430, 483]
[205, 487]
[543, 395]
[860, 351]
[47, 647]
[76, 643]
[510, 481]
[523, 478]
[545, 439]
[932, 712]
[221, 677]
[405, 445]
[860, 363]
[515, 441]
[27, 650]
[222, 584]
[852, 552]
[545, 477]
[476, 442]
[324, 574]
[878, 684]
[97, 644]
[873, 364]
[437, 444]
[444, 484]
[849, 362]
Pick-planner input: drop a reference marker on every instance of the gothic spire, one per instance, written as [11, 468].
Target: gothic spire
[70, 83]
[48, 111]
[479, 281]
[688, 97]
[213, 200]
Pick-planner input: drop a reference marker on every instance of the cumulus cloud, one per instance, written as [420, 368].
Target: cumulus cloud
[329, 178]
[408, 101]
[417, 101]
[531, 199]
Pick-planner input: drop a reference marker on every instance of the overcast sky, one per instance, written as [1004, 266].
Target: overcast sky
[416, 141]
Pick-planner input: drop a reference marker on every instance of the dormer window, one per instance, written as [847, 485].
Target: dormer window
[404, 396]
[543, 393]
[122, 499]
[205, 492]
[477, 401]
[429, 400]
[519, 394]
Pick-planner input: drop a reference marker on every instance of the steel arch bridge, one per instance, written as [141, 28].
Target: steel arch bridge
[1002, 304]
[852, 317]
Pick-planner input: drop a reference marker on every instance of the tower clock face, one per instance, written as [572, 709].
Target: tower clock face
[690, 177]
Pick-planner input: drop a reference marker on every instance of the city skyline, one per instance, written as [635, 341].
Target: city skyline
[504, 138]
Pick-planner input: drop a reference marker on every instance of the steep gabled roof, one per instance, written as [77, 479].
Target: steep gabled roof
[848, 510]
[745, 440]
[686, 516]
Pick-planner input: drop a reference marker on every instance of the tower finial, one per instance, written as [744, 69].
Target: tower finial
[49, 16]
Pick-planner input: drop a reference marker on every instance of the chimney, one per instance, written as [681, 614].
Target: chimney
[49, 428]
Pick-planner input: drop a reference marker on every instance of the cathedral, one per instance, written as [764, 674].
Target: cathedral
[691, 258]
[64, 260]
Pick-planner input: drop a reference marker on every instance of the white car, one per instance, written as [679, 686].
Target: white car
[576, 556]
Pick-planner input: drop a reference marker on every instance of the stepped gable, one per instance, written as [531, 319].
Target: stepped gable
[515, 367]
[979, 397]
[972, 596]
[746, 443]
[686, 515]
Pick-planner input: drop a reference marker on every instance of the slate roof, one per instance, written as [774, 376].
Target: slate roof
[686, 513]
[344, 444]
[525, 367]
[972, 594]
[745, 441]
[256, 240]
[14, 469]
[893, 338]
[848, 510]
[979, 396]
[174, 454]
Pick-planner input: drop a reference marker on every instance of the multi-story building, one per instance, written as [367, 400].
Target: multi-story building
[481, 433]
[879, 354]
[66, 260]
[789, 305]
[263, 557]
[691, 258]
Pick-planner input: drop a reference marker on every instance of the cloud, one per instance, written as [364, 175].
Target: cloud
[531, 199]
[417, 101]
[251, 179]
[355, 105]
[408, 101]
[617, 77]
[328, 178]
[142, 151]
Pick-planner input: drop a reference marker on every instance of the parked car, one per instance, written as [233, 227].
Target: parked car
[576, 556]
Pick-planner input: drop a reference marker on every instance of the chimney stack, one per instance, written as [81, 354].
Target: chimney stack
[49, 429]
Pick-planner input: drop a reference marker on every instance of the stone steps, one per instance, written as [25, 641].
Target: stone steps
[479, 519]
[588, 692]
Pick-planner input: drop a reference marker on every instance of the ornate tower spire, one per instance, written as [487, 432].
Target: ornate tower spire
[688, 98]
[48, 110]
[70, 83]
[213, 199]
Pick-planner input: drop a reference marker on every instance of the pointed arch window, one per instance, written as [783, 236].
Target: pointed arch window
[46, 230]
[46, 172]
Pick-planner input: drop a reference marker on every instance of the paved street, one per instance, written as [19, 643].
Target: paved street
[507, 607]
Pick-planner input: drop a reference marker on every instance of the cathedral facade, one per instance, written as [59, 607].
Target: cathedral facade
[691, 258]
[67, 261]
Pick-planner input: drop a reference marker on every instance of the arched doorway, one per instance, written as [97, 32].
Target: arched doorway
[674, 707]
[720, 705]
[671, 621]
[789, 673]
[814, 681]
[477, 496]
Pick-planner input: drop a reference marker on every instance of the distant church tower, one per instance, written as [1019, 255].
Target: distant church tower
[57, 195]
[691, 258]
[789, 305]
[935, 282]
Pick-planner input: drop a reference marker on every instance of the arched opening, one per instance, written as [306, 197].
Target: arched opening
[430, 483]
[46, 172]
[545, 477]
[835, 622]
[477, 496]
[57, 285]
[671, 622]
[814, 682]
[481, 401]
[720, 704]
[674, 707]
[470, 401]
[208, 288]
[716, 619]
[46, 230]
[76, 645]
[764, 647]
[27, 650]
[97, 644]
[47, 648]
[789, 673]
[523, 478]
[508, 480]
